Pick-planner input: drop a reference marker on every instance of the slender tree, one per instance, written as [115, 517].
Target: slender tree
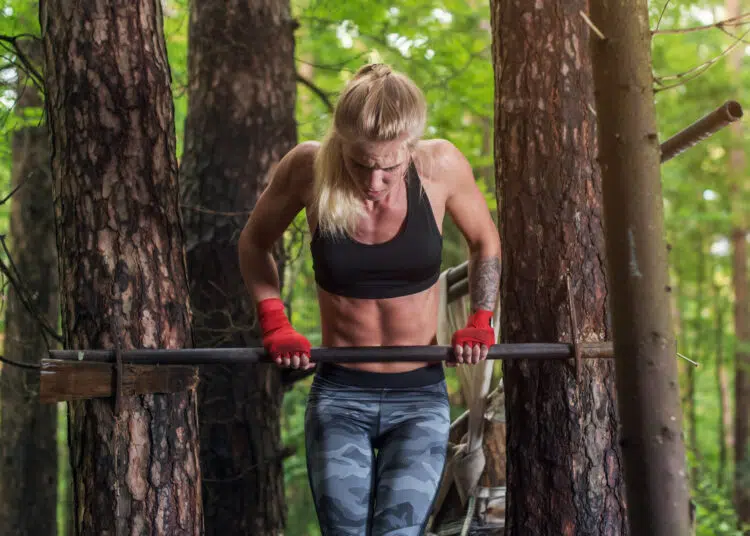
[121, 264]
[652, 443]
[564, 465]
[240, 122]
[28, 429]
[724, 424]
[736, 172]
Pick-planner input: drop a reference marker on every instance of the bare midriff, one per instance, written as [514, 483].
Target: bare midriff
[403, 321]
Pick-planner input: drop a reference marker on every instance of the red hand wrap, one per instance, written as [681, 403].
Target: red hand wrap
[477, 331]
[279, 337]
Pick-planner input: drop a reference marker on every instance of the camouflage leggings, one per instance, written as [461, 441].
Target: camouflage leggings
[375, 454]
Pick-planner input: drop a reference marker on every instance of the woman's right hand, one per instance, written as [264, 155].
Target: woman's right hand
[286, 346]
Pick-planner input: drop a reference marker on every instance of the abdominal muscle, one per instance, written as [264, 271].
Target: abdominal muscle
[403, 321]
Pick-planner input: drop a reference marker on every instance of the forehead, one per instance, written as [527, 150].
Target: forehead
[381, 153]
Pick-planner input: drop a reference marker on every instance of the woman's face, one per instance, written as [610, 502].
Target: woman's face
[376, 167]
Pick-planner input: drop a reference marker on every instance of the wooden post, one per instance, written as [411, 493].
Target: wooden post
[647, 382]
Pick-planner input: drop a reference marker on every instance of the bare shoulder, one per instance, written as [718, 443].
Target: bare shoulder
[440, 162]
[295, 172]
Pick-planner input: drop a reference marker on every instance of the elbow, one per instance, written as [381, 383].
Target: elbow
[487, 247]
[248, 245]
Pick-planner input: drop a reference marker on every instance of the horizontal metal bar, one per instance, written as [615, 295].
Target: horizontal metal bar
[725, 114]
[456, 273]
[458, 290]
[207, 356]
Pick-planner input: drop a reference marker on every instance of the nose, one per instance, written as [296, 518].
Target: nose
[375, 179]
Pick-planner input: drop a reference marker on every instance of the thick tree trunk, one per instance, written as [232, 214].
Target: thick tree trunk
[122, 266]
[564, 466]
[28, 429]
[240, 123]
[643, 334]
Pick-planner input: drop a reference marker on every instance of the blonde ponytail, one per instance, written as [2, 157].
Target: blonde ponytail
[378, 104]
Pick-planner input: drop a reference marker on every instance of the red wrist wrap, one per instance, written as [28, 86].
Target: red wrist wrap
[279, 337]
[478, 330]
[480, 319]
[271, 315]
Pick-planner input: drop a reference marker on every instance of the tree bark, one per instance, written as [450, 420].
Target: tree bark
[240, 123]
[643, 334]
[28, 429]
[121, 263]
[564, 465]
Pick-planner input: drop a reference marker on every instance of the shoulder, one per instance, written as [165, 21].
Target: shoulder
[301, 159]
[439, 161]
[295, 172]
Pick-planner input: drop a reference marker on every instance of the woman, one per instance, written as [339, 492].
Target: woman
[375, 195]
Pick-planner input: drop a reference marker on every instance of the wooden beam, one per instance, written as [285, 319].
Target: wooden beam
[72, 380]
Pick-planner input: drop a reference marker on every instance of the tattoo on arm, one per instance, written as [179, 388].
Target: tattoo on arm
[484, 283]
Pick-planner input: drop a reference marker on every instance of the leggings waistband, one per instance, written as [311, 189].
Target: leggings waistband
[421, 377]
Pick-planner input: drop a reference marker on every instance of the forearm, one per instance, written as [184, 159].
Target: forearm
[484, 278]
[258, 269]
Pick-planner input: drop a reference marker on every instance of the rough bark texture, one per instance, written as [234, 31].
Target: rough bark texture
[28, 429]
[643, 333]
[240, 123]
[564, 467]
[121, 263]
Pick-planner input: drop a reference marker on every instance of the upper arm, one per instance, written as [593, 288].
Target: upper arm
[465, 202]
[283, 198]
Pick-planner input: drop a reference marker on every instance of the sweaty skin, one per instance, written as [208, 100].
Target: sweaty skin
[380, 169]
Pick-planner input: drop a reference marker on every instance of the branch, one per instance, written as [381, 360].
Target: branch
[28, 67]
[318, 91]
[14, 190]
[203, 210]
[697, 70]
[334, 66]
[661, 15]
[11, 272]
[28, 366]
[739, 20]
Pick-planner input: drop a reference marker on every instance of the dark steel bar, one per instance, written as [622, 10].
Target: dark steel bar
[457, 273]
[725, 114]
[208, 356]
[458, 289]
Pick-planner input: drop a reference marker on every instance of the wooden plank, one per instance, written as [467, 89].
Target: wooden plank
[73, 380]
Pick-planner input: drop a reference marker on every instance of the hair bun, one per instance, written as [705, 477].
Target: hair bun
[378, 70]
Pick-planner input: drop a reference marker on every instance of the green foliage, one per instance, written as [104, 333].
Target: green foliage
[714, 512]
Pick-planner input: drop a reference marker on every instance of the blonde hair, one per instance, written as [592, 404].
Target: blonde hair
[378, 104]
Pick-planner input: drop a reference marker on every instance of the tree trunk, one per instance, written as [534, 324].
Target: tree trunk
[240, 123]
[564, 466]
[736, 173]
[121, 266]
[724, 423]
[696, 349]
[28, 429]
[643, 334]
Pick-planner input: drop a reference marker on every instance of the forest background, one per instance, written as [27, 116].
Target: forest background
[445, 46]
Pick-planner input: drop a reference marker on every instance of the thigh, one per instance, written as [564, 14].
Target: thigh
[411, 459]
[340, 459]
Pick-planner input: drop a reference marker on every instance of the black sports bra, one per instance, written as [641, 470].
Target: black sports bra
[406, 264]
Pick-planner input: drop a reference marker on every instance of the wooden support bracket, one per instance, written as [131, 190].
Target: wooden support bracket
[74, 380]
